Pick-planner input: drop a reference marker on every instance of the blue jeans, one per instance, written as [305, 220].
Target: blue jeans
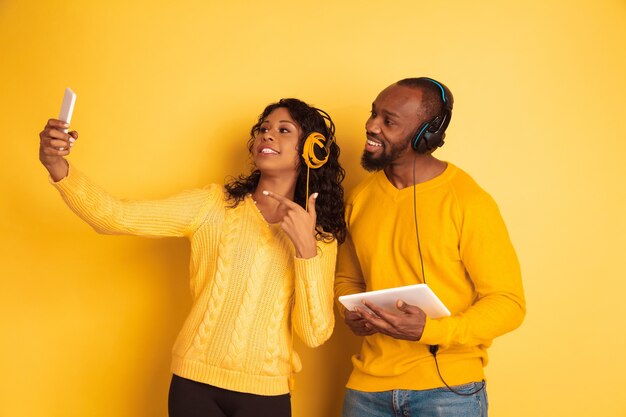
[425, 403]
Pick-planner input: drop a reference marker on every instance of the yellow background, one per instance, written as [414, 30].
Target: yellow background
[167, 92]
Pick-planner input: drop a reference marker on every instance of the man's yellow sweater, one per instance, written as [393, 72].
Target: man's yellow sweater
[246, 283]
[469, 263]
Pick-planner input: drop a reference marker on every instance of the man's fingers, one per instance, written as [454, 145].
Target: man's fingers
[361, 327]
[377, 324]
[354, 318]
[380, 312]
[373, 319]
[409, 309]
[352, 315]
[358, 324]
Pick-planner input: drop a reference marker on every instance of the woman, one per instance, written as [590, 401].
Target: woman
[262, 265]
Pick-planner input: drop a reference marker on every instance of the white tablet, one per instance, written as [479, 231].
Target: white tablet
[419, 295]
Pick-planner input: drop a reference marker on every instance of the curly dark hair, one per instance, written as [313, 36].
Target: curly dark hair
[325, 180]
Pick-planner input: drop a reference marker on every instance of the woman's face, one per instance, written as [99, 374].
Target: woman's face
[275, 147]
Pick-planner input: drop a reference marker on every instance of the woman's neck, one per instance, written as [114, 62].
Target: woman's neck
[281, 185]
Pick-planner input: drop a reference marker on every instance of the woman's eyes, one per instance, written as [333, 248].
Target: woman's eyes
[263, 129]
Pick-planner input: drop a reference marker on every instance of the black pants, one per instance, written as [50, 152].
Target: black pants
[189, 398]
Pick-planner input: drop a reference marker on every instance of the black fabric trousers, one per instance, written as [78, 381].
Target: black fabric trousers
[189, 398]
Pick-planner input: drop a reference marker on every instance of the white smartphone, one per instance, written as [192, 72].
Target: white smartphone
[67, 108]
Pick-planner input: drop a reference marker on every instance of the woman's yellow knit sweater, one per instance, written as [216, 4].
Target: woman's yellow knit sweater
[246, 282]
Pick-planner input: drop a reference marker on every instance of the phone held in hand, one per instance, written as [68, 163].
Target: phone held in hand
[67, 107]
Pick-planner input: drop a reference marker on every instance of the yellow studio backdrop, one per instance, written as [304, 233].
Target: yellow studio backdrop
[167, 92]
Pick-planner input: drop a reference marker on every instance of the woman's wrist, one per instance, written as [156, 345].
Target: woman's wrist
[307, 249]
[58, 170]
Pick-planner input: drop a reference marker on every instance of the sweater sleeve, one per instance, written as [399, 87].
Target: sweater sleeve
[348, 276]
[492, 265]
[313, 315]
[175, 216]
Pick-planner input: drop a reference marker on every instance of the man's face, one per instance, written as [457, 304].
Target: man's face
[391, 126]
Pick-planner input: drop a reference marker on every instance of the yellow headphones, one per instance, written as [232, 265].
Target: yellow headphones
[308, 151]
[316, 139]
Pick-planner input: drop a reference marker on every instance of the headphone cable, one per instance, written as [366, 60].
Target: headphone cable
[417, 235]
[433, 348]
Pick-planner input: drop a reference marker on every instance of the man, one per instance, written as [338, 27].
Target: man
[418, 219]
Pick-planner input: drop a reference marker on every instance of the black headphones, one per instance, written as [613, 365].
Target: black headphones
[430, 134]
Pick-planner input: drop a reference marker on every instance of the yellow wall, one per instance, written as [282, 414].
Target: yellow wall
[166, 94]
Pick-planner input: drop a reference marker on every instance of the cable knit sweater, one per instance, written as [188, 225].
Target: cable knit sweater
[249, 290]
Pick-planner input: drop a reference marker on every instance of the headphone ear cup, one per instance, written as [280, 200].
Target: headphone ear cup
[312, 141]
[431, 140]
[418, 143]
[432, 134]
[436, 136]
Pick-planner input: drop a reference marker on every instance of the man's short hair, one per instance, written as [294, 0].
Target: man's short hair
[432, 104]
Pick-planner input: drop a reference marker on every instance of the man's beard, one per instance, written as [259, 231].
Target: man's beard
[371, 163]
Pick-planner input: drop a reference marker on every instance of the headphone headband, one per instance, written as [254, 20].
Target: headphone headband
[444, 97]
[430, 134]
